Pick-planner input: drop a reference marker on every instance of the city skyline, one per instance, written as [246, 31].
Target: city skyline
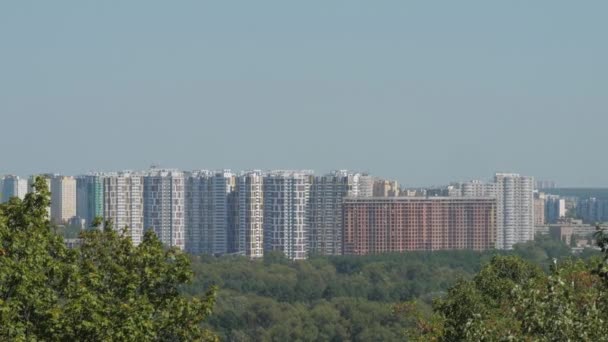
[296, 212]
[324, 171]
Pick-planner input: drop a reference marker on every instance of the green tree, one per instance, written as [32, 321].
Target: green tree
[512, 299]
[108, 289]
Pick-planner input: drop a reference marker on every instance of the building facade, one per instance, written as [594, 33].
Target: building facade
[397, 224]
[164, 206]
[555, 209]
[63, 199]
[123, 203]
[209, 211]
[516, 197]
[196, 205]
[515, 206]
[89, 197]
[325, 209]
[249, 237]
[539, 209]
[286, 196]
[13, 186]
[592, 210]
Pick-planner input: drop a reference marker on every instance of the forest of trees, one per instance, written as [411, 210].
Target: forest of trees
[339, 298]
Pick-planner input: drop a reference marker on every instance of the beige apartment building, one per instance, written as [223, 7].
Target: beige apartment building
[63, 199]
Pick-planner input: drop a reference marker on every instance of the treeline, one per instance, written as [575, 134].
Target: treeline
[337, 298]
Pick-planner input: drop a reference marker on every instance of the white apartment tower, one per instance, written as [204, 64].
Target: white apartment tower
[250, 214]
[286, 195]
[123, 203]
[515, 206]
[209, 211]
[325, 208]
[63, 198]
[164, 206]
[13, 186]
[517, 195]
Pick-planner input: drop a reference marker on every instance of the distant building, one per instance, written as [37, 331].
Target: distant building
[12, 186]
[452, 190]
[89, 197]
[198, 222]
[123, 196]
[384, 224]
[555, 209]
[539, 209]
[249, 237]
[386, 188]
[544, 184]
[63, 199]
[325, 209]
[209, 211]
[164, 206]
[515, 206]
[286, 196]
[366, 185]
[592, 210]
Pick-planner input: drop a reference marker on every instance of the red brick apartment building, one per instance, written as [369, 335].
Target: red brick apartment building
[396, 224]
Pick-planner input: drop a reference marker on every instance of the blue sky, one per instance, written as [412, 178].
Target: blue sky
[424, 92]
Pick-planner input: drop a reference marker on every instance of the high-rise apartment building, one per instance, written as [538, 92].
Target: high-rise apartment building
[515, 206]
[123, 203]
[325, 208]
[517, 199]
[286, 196]
[12, 186]
[396, 224]
[209, 212]
[63, 199]
[366, 185]
[89, 197]
[164, 206]
[198, 222]
[249, 223]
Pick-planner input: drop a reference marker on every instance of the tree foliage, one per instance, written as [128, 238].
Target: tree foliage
[108, 289]
[514, 299]
[346, 297]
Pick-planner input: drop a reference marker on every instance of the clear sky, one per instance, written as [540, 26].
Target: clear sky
[426, 92]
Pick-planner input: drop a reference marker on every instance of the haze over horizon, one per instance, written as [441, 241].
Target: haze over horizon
[417, 92]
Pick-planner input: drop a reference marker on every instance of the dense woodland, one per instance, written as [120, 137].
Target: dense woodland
[339, 298]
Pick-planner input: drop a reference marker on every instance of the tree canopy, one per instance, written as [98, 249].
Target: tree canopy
[107, 289]
[341, 298]
[513, 299]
